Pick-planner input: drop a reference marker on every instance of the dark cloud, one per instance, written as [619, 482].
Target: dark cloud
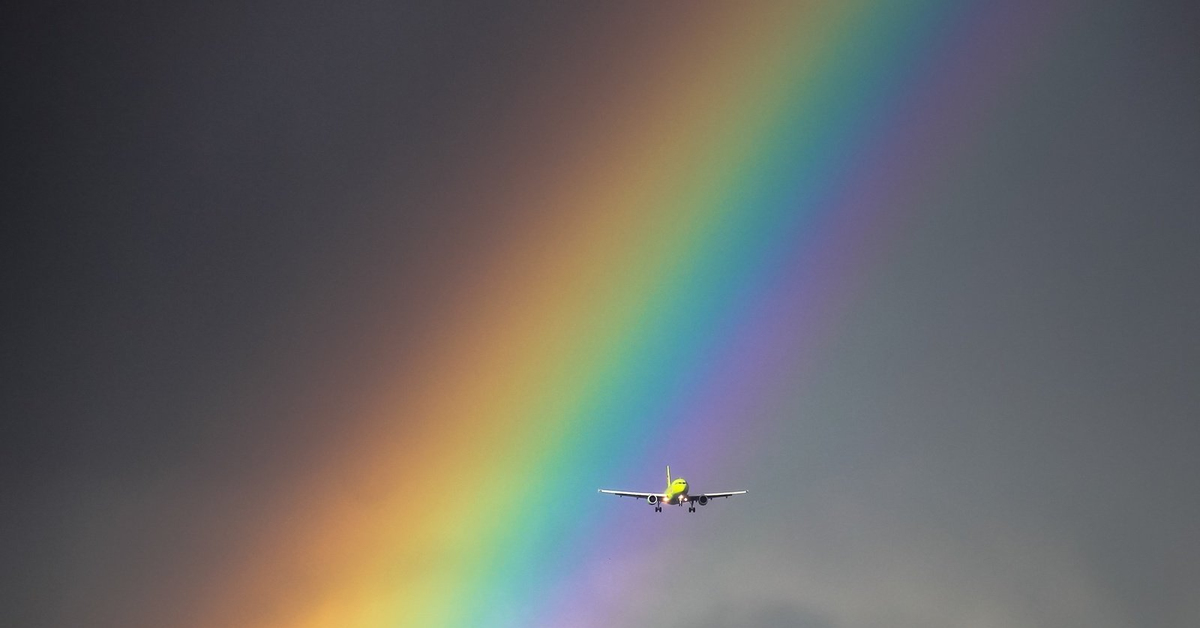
[764, 615]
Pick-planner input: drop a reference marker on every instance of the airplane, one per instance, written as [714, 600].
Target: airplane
[676, 494]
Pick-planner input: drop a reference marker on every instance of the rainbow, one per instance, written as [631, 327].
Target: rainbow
[694, 242]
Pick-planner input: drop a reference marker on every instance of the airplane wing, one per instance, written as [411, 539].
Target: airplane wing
[715, 495]
[631, 494]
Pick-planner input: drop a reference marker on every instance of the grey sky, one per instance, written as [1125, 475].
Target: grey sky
[1006, 429]
[1003, 431]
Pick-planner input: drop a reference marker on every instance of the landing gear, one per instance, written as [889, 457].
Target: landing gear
[658, 509]
[691, 509]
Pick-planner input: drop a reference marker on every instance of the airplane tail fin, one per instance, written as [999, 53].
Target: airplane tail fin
[668, 475]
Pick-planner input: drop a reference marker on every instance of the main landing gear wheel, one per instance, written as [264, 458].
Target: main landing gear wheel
[691, 509]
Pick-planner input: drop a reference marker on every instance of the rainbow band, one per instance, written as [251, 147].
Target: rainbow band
[689, 262]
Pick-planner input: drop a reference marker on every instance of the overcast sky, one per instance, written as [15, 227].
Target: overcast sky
[1003, 430]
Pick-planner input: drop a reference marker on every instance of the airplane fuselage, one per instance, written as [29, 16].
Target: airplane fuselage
[677, 492]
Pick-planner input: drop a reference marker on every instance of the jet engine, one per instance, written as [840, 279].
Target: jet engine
[703, 499]
[652, 500]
